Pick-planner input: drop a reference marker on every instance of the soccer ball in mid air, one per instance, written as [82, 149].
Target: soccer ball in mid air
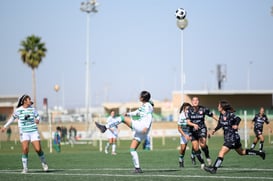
[180, 13]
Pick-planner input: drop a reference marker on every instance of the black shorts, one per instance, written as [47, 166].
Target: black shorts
[233, 145]
[200, 133]
[258, 131]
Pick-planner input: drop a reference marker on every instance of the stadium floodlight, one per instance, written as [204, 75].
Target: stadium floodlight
[89, 6]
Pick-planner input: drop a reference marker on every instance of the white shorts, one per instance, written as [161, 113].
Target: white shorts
[183, 140]
[112, 134]
[31, 136]
[138, 128]
[140, 136]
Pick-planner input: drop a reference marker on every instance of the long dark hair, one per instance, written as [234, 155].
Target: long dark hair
[185, 104]
[22, 99]
[226, 106]
[146, 96]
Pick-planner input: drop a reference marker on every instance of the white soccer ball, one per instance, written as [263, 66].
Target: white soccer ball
[180, 13]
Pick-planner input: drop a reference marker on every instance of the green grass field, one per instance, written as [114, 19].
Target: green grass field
[85, 162]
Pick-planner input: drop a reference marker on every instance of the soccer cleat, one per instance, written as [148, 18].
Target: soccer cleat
[262, 154]
[211, 170]
[209, 161]
[202, 166]
[193, 160]
[138, 170]
[114, 153]
[24, 171]
[45, 167]
[181, 164]
[102, 128]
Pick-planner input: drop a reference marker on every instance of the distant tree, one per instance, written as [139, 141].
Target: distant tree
[32, 51]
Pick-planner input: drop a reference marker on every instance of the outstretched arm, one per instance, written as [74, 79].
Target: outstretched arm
[215, 117]
[216, 128]
[8, 123]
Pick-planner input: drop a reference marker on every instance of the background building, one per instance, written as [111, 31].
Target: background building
[7, 105]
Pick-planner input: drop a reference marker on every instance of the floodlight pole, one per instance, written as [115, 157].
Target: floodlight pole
[182, 67]
[88, 7]
[248, 75]
[182, 24]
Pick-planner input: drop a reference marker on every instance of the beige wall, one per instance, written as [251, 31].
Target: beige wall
[237, 101]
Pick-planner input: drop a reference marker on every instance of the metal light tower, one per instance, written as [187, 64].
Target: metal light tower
[182, 24]
[88, 7]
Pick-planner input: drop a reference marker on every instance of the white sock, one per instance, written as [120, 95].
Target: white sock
[107, 146]
[135, 159]
[24, 162]
[113, 148]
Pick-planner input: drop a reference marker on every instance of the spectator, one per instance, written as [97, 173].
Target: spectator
[72, 135]
[64, 134]
[8, 132]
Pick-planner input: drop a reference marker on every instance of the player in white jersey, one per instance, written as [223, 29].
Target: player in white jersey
[112, 134]
[27, 118]
[183, 129]
[141, 126]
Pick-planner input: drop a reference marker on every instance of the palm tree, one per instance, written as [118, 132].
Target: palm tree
[32, 51]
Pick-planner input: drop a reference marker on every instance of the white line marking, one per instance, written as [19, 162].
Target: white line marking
[57, 172]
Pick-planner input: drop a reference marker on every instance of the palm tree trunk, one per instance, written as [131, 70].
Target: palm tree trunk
[34, 87]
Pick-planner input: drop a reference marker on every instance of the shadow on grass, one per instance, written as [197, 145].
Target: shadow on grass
[161, 170]
[49, 171]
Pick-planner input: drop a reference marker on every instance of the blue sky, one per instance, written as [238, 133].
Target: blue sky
[135, 45]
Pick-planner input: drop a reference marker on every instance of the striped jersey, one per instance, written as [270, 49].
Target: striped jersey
[145, 113]
[26, 119]
[111, 120]
[182, 122]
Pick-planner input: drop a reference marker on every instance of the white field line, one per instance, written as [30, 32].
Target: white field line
[67, 172]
